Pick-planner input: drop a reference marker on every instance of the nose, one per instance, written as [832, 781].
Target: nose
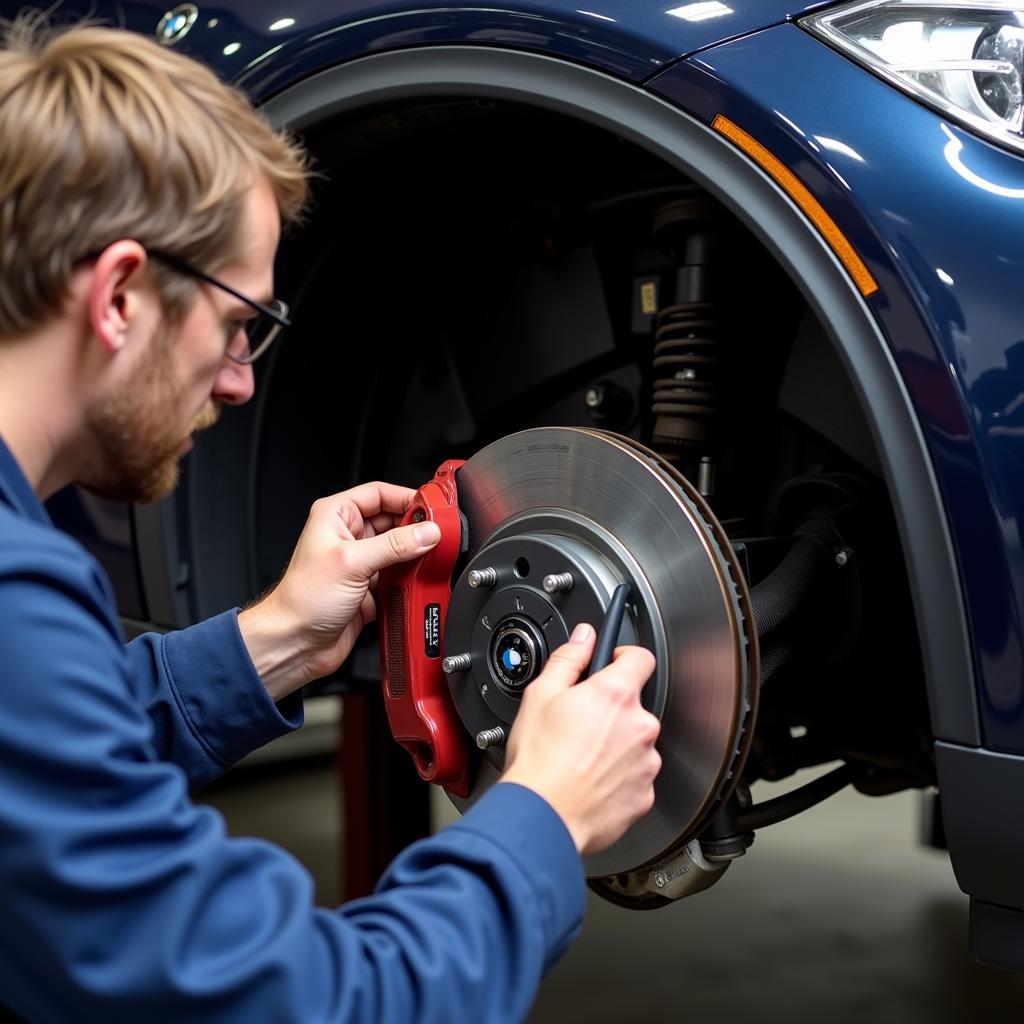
[234, 383]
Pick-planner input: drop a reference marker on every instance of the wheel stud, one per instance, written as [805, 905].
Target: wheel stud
[483, 577]
[456, 663]
[558, 583]
[490, 737]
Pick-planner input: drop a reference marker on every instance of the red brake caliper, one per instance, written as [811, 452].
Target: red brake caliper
[413, 606]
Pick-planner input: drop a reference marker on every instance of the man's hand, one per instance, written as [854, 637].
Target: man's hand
[306, 627]
[588, 749]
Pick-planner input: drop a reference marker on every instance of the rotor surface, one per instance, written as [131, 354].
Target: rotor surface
[606, 510]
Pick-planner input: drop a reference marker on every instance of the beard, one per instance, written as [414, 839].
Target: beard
[135, 441]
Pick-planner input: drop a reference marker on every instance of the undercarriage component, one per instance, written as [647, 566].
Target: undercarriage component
[554, 503]
[684, 873]
[731, 832]
[789, 804]
[687, 370]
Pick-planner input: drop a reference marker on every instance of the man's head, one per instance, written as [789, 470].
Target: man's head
[125, 148]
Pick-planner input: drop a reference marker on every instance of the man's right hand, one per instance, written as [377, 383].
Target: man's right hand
[588, 749]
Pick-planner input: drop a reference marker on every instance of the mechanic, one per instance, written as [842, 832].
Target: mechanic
[140, 207]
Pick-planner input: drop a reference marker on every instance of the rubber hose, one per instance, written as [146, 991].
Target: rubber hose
[789, 804]
[780, 593]
[774, 659]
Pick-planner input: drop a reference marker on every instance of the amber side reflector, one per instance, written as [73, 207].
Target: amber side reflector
[798, 193]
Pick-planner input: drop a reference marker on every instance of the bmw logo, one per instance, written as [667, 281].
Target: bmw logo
[511, 659]
[517, 653]
[174, 25]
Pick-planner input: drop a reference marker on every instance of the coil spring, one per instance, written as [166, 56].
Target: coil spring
[686, 361]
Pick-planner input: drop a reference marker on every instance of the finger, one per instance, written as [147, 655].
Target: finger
[352, 518]
[382, 522]
[633, 664]
[401, 544]
[568, 662]
[336, 514]
[378, 496]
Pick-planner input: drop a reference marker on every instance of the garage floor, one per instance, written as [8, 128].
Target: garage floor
[836, 916]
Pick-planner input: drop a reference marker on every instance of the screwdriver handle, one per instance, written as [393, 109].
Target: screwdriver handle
[608, 634]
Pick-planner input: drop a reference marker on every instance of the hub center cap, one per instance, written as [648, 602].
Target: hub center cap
[516, 652]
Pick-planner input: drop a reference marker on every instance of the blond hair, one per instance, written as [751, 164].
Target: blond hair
[107, 135]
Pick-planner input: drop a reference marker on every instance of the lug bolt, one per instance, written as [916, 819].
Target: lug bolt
[456, 663]
[558, 583]
[483, 577]
[490, 737]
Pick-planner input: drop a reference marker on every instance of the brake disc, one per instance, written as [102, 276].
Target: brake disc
[557, 518]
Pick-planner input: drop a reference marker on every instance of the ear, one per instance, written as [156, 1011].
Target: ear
[115, 292]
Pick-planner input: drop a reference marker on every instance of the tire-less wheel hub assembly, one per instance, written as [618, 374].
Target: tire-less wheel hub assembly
[538, 529]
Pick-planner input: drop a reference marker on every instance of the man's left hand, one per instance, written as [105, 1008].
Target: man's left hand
[307, 625]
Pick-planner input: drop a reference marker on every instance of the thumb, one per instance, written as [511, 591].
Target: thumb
[401, 544]
[568, 662]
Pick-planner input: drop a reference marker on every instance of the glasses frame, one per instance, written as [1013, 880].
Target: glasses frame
[277, 311]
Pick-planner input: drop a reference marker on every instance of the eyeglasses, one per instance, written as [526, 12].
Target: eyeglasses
[260, 331]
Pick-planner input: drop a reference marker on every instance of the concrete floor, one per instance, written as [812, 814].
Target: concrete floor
[835, 916]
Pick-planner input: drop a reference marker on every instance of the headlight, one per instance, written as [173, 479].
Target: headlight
[965, 59]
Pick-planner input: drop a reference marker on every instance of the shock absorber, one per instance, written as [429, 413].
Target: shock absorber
[687, 368]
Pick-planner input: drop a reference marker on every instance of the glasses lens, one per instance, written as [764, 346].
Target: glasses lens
[259, 333]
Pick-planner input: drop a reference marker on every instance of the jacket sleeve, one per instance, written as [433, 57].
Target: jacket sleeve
[208, 706]
[124, 901]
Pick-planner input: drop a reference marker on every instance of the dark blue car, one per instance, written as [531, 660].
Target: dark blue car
[779, 244]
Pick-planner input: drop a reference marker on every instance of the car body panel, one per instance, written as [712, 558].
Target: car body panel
[628, 39]
[936, 213]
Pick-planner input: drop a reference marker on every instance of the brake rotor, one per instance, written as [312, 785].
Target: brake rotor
[557, 518]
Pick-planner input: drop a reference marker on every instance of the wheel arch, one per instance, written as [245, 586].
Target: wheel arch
[691, 146]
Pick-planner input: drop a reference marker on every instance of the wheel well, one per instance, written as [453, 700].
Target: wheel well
[397, 84]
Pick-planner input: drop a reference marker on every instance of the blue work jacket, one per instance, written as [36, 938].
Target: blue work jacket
[122, 900]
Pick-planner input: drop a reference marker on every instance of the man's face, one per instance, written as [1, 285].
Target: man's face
[174, 386]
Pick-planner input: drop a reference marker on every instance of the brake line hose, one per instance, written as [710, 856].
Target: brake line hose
[772, 811]
[779, 594]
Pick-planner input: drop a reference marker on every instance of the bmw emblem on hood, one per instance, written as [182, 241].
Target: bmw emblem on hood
[176, 23]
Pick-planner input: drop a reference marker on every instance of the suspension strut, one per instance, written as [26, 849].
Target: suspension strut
[686, 364]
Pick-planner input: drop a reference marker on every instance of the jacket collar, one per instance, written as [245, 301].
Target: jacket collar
[16, 491]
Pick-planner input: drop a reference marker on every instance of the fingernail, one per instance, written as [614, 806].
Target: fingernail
[426, 534]
[581, 633]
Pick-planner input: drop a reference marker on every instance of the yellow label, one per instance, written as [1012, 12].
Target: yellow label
[649, 297]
